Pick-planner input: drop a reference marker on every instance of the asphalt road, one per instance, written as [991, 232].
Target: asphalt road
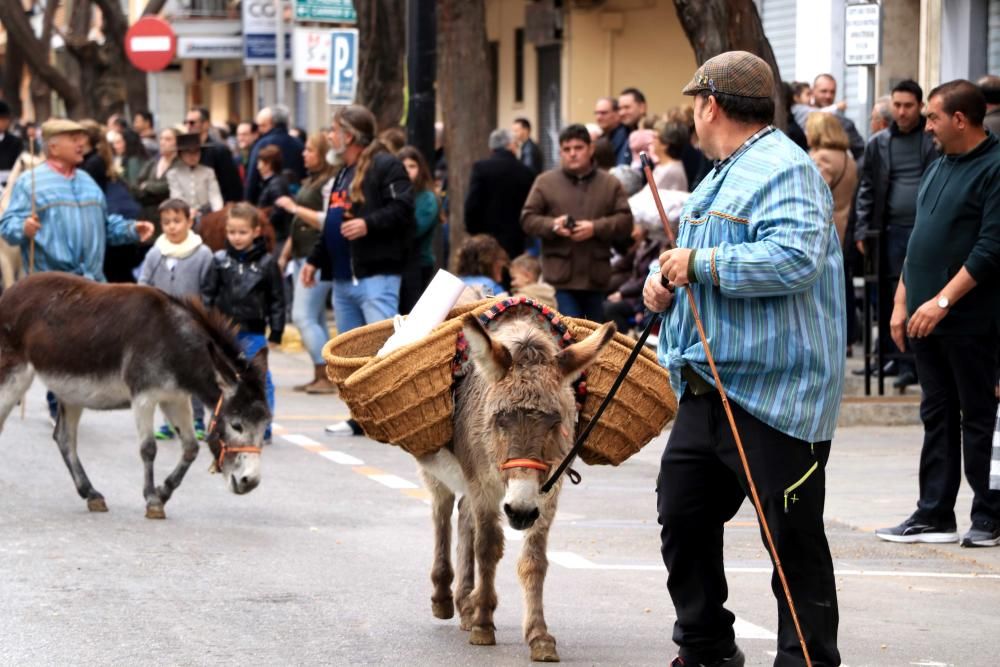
[328, 561]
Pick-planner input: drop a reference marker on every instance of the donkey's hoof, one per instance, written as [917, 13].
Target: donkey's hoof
[481, 636]
[465, 622]
[544, 650]
[155, 512]
[443, 609]
[97, 505]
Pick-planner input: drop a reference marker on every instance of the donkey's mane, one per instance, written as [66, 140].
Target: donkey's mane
[528, 344]
[220, 329]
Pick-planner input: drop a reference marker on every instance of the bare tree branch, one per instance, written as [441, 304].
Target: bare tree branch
[154, 7]
[21, 36]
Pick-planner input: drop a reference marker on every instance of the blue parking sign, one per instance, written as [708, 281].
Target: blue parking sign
[343, 81]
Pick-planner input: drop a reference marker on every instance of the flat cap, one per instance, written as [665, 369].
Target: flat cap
[54, 126]
[736, 73]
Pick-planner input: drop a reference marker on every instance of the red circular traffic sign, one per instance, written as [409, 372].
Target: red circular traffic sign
[150, 44]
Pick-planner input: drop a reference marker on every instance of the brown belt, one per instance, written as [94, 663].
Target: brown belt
[696, 383]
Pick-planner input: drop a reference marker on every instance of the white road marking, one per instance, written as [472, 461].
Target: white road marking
[393, 482]
[301, 440]
[747, 630]
[573, 561]
[341, 458]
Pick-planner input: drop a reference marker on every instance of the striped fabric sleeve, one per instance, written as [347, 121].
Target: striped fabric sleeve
[790, 224]
[19, 208]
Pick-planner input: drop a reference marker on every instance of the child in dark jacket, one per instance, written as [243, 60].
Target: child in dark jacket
[245, 284]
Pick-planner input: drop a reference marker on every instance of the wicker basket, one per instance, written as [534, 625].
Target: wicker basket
[405, 397]
[641, 408]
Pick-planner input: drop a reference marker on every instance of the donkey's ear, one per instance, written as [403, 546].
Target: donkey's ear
[575, 358]
[259, 361]
[492, 358]
[226, 374]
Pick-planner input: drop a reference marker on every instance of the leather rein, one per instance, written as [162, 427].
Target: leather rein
[225, 449]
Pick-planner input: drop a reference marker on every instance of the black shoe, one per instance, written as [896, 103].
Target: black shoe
[737, 659]
[905, 379]
[982, 534]
[916, 530]
[889, 370]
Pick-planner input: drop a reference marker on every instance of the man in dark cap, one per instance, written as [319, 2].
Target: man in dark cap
[758, 249]
[10, 145]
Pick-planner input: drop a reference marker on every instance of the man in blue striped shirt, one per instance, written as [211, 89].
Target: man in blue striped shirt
[760, 254]
[69, 221]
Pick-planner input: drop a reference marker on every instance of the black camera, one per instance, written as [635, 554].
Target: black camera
[570, 222]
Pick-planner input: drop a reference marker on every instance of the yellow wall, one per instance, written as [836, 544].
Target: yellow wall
[503, 17]
[622, 43]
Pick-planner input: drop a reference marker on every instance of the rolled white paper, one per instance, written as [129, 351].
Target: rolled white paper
[430, 310]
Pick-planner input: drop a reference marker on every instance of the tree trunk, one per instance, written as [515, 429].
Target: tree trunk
[13, 75]
[717, 26]
[20, 36]
[382, 40]
[463, 89]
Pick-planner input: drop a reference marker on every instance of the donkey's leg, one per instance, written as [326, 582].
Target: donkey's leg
[443, 502]
[67, 425]
[489, 549]
[531, 569]
[144, 411]
[179, 414]
[465, 562]
[15, 378]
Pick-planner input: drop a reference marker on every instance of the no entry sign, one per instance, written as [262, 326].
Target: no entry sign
[150, 44]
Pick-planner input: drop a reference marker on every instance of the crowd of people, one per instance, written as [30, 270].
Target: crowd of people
[261, 221]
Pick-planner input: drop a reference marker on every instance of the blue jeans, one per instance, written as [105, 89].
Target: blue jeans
[309, 315]
[252, 343]
[373, 299]
[588, 304]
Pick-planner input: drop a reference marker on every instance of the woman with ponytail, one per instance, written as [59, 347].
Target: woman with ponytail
[367, 231]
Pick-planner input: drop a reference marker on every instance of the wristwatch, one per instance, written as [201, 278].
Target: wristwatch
[943, 302]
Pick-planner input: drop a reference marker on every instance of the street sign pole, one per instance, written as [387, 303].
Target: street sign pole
[279, 55]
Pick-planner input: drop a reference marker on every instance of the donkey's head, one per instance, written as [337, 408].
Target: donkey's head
[240, 420]
[527, 410]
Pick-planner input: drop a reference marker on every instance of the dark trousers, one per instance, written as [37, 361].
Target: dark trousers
[622, 313]
[581, 303]
[958, 376]
[701, 486]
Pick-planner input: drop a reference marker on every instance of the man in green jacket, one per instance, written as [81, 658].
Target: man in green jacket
[948, 304]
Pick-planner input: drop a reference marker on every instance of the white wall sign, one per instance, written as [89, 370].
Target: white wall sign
[311, 54]
[343, 80]
[210, 48]
[862, 34]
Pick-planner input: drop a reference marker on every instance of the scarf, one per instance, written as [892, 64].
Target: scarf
[178, 250]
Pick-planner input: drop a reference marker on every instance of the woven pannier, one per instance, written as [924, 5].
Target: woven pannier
[640, 410]
[405, 397]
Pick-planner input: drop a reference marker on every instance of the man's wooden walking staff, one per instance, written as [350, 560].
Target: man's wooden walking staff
[647, 167]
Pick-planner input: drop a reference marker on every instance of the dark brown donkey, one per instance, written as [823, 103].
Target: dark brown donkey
[514, 414]
[106, 347]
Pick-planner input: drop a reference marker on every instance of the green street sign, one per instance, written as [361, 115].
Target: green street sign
[329, 11]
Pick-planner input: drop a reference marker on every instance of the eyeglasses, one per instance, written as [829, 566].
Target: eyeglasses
[189, 123]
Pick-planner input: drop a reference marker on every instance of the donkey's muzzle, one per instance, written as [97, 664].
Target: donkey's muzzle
[241, 484]
[520, 519]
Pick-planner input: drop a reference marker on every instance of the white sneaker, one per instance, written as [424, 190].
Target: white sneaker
[340, 428]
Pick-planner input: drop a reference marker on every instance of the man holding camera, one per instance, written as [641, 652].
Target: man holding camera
[578, 211]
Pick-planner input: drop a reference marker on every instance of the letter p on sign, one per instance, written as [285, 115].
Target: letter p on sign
[343, 82]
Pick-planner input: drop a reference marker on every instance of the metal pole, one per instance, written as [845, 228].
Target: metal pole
[421, 52]
[154, 100]
[279, 56]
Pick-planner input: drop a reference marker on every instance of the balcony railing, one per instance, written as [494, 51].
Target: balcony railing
[203, 9]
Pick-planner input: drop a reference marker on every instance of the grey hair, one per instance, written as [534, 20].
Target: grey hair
[884, 107]
[500, 138]
[631, 180]
[280, 114]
